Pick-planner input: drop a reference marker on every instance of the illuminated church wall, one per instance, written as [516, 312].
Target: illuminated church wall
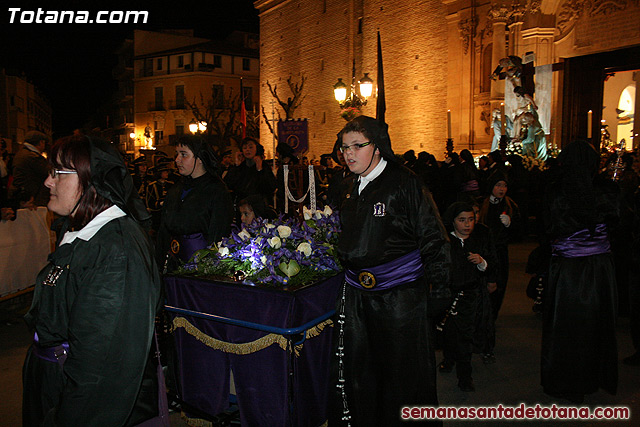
[305, 38]
[437, 56]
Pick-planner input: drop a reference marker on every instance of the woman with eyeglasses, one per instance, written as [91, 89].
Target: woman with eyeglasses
[393, 247]
[95, 303]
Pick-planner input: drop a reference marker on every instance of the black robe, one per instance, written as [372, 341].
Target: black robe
[156, 193]
[579, 353]
[244, 180]
[201, 205]
[104, 304]
[501, 236]
[469, 330]
[388, 353]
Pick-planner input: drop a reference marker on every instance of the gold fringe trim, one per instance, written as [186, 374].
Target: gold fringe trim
[195, 422]
[250, 347]
[313, 332]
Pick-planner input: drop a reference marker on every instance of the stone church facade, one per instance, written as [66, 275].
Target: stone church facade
[438, 56]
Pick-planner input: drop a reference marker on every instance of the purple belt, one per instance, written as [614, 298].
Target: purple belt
[583, 243]
[401, 270]
[186, 245]
[55, 354]
[470, 186]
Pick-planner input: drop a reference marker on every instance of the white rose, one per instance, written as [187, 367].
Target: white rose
[318, 214]
[244, 235]
[305, 248]
[327, 210]
[275, 242]
[263, 260]
[223, 251]
[307, 213]
[284, 231]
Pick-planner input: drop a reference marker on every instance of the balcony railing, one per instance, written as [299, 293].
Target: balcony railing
[177, 105]
[156, 106]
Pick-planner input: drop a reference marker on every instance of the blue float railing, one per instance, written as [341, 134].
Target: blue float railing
[256, 326]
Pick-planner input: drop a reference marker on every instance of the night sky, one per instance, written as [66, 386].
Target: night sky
[72, 63]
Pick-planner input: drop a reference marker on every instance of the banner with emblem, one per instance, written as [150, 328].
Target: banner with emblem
[294, 133]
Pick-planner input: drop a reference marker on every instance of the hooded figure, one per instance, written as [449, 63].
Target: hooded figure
[579, 354]
[502, 216]
[110, 178]
[378, 134]
[392, 245]
[198, 210]
[95, 303]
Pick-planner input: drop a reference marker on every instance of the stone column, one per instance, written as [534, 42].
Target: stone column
[498, 14]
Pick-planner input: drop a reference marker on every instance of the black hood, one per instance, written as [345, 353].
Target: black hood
[111, 179]
[377, 132]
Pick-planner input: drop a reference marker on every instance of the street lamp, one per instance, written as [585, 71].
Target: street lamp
[366, 86]
[197, 126]
[193, 126]
[357, 96]
[340, 91]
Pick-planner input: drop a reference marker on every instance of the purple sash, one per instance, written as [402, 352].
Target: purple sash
[56, 354]
[401, 270]
[469, 186]
[186, 245]
[583, 243]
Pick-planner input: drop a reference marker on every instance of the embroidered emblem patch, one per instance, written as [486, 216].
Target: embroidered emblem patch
[379, 209]
[367, 279]
[175, 247]
[53, 276]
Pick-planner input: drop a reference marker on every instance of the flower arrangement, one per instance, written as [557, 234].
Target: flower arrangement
[350, 113]
[283, 252]
[530, 163]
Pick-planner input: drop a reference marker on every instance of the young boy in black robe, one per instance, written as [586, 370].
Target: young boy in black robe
[472, 255]
[393, 246]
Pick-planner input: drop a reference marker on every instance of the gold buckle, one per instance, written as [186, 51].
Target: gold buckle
[367, 279]
[175, 247]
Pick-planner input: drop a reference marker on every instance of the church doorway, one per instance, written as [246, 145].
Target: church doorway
[585, 89]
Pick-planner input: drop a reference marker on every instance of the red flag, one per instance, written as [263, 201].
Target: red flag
[243, 119]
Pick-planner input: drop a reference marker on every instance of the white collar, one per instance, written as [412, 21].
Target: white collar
[364, 180]
[31, 147]
[89, 230]
[494, 200]
[453, 233]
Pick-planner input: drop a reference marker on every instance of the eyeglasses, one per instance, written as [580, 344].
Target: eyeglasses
[354, 147]
[54, 173]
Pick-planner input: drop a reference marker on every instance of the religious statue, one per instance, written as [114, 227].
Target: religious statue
[496, 123]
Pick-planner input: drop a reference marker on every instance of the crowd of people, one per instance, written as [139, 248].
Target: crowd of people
[424, 245]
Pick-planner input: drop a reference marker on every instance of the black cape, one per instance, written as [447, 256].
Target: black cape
[201, 205]
[104, 304]
[388, 358]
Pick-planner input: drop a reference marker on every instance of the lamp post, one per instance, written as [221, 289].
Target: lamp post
[197, 126]
[355, 97]
[193, 126]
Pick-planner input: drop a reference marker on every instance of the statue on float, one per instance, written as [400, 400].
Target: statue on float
[524, 129]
